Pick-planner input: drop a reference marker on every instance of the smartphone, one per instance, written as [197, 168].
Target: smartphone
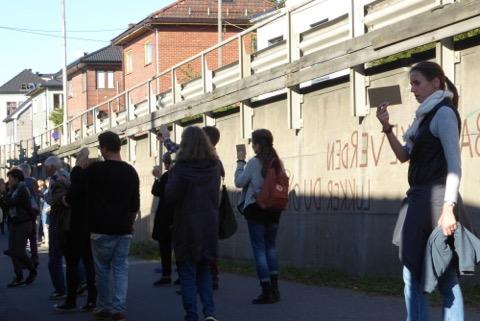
[163, 131]
[241, 151]
[379, 95]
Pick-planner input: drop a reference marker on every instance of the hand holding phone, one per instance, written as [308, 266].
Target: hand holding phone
[241, 152]
[82, 157]
[163, 133]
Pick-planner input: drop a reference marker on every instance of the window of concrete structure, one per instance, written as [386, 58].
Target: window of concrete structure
[57, 101]
[100, 79]
[316, 24]
[110, 79]
[148, 53]
[128, 62]
[275, 40]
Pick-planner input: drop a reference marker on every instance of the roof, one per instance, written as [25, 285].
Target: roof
[14, 85]
[106, 55]
[20, 110]
[199, 12]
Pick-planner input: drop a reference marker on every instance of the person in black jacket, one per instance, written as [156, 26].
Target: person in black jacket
[193, 189]
[77, 246]
[3, 205]
[163, 222]
[20, 227]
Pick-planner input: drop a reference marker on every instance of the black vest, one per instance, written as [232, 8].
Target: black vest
[428, 164]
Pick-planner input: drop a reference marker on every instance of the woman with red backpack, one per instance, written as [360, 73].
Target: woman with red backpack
[263, 175]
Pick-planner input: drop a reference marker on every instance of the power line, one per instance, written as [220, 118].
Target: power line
[49, 30]
[50, 35]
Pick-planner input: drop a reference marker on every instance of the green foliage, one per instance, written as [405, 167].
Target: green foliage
[56, 117]
[279, 3]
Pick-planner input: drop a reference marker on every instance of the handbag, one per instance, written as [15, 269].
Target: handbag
[227, 223]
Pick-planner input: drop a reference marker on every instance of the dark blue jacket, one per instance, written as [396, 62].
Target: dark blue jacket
[194, 189]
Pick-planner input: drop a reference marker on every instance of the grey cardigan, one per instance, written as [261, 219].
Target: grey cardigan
[249, 177]
[438, 255]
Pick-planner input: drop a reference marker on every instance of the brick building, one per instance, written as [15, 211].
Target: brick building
[93, 79]
[178, 31]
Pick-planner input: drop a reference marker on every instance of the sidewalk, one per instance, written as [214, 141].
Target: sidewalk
[146, 303]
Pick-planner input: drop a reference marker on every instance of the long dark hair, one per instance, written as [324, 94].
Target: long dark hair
[267, 154]
[431, 70]
[195, 146]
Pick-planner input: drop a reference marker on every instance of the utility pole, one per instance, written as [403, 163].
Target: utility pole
[220, 35]
[64, 77]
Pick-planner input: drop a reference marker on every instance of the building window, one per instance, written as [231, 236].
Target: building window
[111, 79]
[70, 90]
[128, 62]
[57, 101]
[100, 79]
[148, 53]
[11, 106]
[84, 82]
[318, 23]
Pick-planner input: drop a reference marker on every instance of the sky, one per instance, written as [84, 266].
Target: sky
[100, 20]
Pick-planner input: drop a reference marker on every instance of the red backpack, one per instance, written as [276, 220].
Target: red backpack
[274, 193]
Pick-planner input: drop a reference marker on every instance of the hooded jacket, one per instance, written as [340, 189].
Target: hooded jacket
[193, 190]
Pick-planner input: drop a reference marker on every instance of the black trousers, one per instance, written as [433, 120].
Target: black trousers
[79, 249]
[166, 257]
[17, 241]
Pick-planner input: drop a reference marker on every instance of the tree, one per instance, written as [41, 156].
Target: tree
[279, 3]
[56, 117]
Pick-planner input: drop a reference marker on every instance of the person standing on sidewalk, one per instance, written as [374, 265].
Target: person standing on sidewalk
[20, 224]
[193, 188]
[262, 224]
[59, 180]
[162, 226]
[432, 147]
[113, 193]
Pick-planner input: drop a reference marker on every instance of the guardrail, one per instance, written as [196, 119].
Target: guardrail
[174, 85]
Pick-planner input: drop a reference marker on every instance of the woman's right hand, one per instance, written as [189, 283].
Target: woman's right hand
[383, 115]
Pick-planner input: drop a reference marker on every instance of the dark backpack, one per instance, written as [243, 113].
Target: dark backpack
[274, 193]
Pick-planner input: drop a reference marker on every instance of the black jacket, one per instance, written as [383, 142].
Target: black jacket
[18, 201]
[193, 189]
[164, 214]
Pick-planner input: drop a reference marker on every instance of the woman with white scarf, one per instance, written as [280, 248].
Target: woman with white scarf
[432, 147]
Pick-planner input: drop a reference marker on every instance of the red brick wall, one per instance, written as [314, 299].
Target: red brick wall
[96, 96]
[77, 100]
[176, 43]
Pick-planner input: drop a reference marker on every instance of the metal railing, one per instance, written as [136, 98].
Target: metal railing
[174, 85]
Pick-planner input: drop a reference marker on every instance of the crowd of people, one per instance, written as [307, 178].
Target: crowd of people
[89, 213]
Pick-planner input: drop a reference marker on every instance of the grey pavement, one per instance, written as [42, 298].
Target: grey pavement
[146, 303]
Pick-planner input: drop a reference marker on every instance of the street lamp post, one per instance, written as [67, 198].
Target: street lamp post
[64, 76]
[220, 36]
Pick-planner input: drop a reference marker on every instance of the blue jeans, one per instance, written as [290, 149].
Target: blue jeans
[416, 302]
[55, 260]
[110, 254]
[196, 278]
[262, 238]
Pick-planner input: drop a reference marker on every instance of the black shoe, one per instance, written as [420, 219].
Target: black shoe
[57, 296]
[275, 291]
[15, 283]
[31, 277]
[90, 306]
[177, 282]
[82, 288]
[266, 297]
[163, 281]
[65, 307]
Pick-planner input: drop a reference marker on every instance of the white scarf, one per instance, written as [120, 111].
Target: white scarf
[424, 108]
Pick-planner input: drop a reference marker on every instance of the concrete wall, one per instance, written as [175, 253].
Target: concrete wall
[346, 185]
